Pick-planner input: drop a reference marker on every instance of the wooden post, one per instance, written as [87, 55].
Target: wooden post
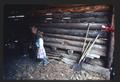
[111, 45]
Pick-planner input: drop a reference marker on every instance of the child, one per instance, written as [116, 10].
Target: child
[41, 54]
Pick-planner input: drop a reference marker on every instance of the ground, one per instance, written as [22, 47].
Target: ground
[26, 68]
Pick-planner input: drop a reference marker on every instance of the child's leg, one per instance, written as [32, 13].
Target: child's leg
[40, 61]
[45, 61]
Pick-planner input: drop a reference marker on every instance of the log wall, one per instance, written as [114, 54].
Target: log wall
[65, 27]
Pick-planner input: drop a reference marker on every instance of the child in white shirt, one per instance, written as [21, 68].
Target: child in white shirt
[41, 54]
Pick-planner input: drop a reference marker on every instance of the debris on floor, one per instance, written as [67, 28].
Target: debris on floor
[27, 69]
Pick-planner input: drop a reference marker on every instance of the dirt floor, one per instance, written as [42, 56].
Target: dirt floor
[25, 68]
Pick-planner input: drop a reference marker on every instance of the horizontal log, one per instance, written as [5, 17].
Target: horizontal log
[90, 14]
[74, 56]
[76, 14]
[98, 69]
[73, 15]
[82, 20]
[53, 48]
[75, 38]
[66, 47]
[72, 43]
[93, 8]
[60, 53]
[48, 50]
[57, 52]
[52, 57]
[73, 32]
[70, 20]
[82, 26]
[94, 48]
[54, 54]
[78, 5]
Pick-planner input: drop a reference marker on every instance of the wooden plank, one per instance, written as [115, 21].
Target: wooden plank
[69, 56]
[68, 61]
[95, 68]
[92, 56]
[73, 32]
[66, 47]
[98, 62]
[71, 43]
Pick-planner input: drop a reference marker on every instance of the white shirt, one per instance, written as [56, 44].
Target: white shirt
[39, 43]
